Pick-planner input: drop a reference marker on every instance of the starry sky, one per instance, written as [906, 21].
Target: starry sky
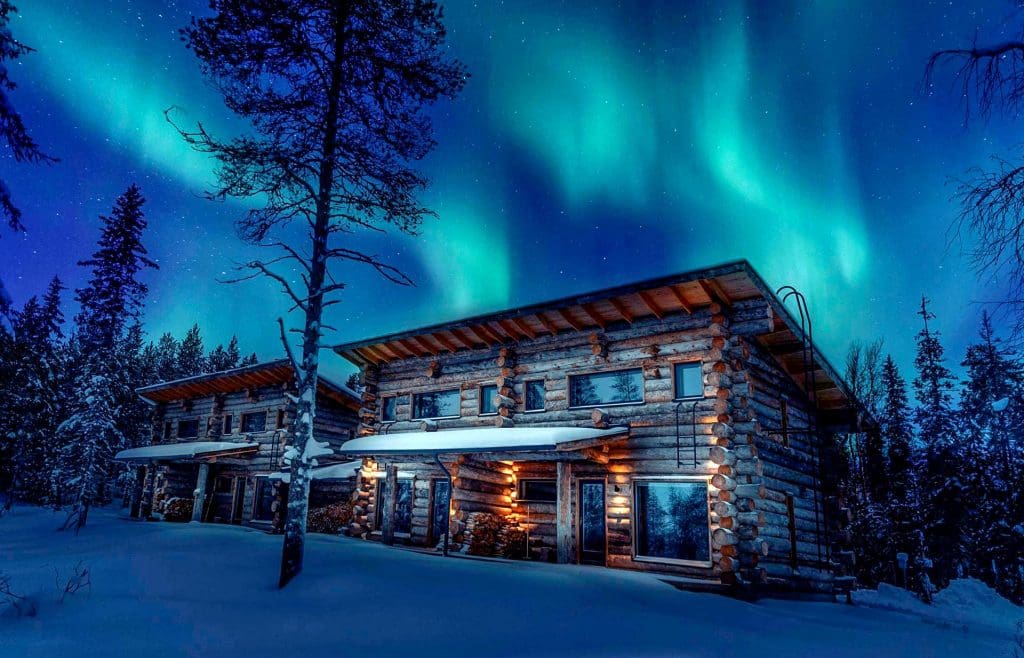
[595, 144]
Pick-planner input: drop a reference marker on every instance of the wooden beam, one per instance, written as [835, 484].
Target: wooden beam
[714, 292]
[499, 330]
[649, 302]
[390, 502]
[512, 330]
[479, 333]
[521, 324]
[563, 513]
[462, 338]
[621, 308]
[386, 349]
[425, 345]
[448, 345]
[598, 455]
[548, 324]
[681, 298]
[568, 318]
[368, 354]
[591, 312]
[405, 349]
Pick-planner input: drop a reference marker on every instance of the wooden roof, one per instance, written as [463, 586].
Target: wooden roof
[270, 373]
[660, 297]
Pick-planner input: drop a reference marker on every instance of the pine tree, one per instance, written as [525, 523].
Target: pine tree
[335, 93]
[110, 307]
[191, 359]
[20, 144]
[221, 358]
[250, 360]
[943, 493]
[166, 359]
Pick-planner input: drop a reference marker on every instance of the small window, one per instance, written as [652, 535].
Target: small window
[688, 381]
[439, 404]
[168, 429]
[280, 419]
[672, 521]
[487, 394]
[389, 409]
[228, 427]
[618, 387]
[256, 422]
[538, 491]
[535, 395]
[188, 429]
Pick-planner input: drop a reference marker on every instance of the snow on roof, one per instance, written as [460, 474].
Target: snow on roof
[480, 439]
[187, 450]
[332, 472]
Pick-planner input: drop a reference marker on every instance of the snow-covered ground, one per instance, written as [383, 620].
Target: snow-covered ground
[162, 589]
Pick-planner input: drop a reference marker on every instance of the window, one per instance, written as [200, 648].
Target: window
[688, 381]
[487, 394]
[263, 499]
[188, 429]
[672, 521]
[537, 491]
[228, 428]
[535, 395]
[280, 419]
[256, 422]
[439, 404]
[167, 431]
[618, 387]
[388, 409]
[403, 506]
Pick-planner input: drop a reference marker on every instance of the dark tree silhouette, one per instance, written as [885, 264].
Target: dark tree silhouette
[990, 77]
[12, 129]
[334, 92]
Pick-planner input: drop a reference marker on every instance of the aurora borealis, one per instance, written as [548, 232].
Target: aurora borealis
[594, 145]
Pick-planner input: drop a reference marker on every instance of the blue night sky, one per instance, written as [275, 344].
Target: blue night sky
[594, 145]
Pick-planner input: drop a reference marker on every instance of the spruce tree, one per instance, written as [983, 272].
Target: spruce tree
[166, 358]
[221, 358]
[110, 305]
[191, 355]
[943, 489]
[250, 360]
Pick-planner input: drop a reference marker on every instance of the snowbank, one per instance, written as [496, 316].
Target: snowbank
[966, 603]
[162, 589]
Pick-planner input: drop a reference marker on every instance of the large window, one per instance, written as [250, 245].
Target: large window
[256, 422]
[672, 520]
[388, 409]
[617, 387]
[535, 395]
[688, 381]
[403, 506]
[537, 491]
[487, 394]
[188, 429]
[263, 499]
[439, 404]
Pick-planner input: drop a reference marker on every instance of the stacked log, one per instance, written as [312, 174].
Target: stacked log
[505, 401]
[362, 496]
[368, 410]
[215, 422]
[599, 344]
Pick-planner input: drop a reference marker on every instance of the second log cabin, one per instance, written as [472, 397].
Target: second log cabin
[681, 425]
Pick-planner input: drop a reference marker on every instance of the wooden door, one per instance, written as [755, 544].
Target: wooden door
[440, 500]
[593, 533]
[238, 505]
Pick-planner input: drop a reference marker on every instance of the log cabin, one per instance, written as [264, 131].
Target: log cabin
[683, 425]
[218, 440]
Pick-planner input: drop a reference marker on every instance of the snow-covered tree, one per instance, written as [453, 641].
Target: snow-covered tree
[191, 354]
[943, 488]
[89, 439]
[107, 329]
[335, 93]
[166, 358]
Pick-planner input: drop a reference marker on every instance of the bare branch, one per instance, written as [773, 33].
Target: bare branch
[988, 76]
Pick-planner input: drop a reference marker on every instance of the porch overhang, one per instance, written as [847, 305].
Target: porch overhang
[553, 443]
[194, 451]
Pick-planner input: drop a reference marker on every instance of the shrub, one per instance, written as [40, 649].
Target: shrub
[329, 520]
[178, 510]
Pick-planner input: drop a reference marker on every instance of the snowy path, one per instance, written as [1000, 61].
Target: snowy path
[172, 590]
